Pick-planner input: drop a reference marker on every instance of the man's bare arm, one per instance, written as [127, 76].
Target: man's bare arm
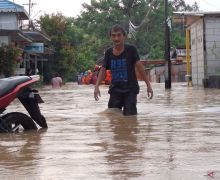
[139, 66]
[101, 76]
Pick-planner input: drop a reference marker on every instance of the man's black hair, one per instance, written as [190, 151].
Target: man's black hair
[56, 74]
[116, 28]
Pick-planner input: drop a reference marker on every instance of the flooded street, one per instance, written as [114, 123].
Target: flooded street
[175, 136]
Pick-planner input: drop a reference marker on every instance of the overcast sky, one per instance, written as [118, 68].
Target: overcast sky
[69, 8]
[206, 5]
[72, 8]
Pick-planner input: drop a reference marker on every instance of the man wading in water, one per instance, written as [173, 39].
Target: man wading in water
[122, 59]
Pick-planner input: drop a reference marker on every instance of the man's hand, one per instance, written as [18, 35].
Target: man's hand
[145, 77]
[149, 92]
[97, 93]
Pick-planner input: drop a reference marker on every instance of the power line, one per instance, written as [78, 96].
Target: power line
[30, 5]
[133, 28]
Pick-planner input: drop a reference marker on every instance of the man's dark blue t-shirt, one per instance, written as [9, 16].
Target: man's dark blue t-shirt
[122, 69]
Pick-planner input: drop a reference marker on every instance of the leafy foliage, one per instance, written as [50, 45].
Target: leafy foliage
[8, 59]
[80, 42]
[59, 28]
[146, 15]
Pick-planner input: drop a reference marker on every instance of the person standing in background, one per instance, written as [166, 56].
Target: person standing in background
[56, 81]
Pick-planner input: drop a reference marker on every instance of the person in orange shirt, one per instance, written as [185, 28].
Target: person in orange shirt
[108, 77]
[89, 77]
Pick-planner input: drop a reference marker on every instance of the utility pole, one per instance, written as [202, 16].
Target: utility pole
[30, 5]
[29, 12]
[167, 47]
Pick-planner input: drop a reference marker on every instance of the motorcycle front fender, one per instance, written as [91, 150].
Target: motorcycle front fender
[30, 100]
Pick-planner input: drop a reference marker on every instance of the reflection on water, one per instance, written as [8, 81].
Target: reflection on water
[20, 153]
[123, 151]
[175, 136]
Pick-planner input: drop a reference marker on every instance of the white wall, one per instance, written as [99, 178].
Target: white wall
[4, 40]
[8, 21]
[197, 52]
[212, 36]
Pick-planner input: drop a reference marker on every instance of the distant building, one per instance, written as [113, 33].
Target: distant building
[157, 72]
[11, 21]
[205, 46]
[32, 42]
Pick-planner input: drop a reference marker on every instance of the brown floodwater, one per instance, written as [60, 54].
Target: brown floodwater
[175, 136]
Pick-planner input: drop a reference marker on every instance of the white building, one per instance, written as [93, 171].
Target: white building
[205, 46]
[11, 20]
[31, 41]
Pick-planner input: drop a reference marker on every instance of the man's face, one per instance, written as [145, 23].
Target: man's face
[117, 38]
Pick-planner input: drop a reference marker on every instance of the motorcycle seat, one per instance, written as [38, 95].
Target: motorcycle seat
[8, 84]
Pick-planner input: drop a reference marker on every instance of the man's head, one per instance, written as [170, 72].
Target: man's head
[117, 34]
[117, 28]
[56, 74]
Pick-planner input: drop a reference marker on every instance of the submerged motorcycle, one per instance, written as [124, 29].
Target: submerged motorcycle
[20, 87]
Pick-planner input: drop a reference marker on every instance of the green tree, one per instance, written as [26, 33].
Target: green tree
[147, 16]
[8, 59]
[80, 42]
[180, 5]
[59, 28]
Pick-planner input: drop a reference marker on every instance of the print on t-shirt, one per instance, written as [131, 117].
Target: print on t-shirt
[119, 70]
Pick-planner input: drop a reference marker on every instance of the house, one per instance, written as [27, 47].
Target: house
[204, 33]
[38, 52]
[157, 72]
[32, 42]
[11, 18]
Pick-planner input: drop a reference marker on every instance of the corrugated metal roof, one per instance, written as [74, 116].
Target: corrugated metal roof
[189, 18]
[11, 7]
[197, 13]
[38, 36]
[16, 35]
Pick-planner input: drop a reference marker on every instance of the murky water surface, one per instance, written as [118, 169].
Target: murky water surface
[175, 136]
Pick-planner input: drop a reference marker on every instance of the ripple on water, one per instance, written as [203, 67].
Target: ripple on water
[174, 136]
